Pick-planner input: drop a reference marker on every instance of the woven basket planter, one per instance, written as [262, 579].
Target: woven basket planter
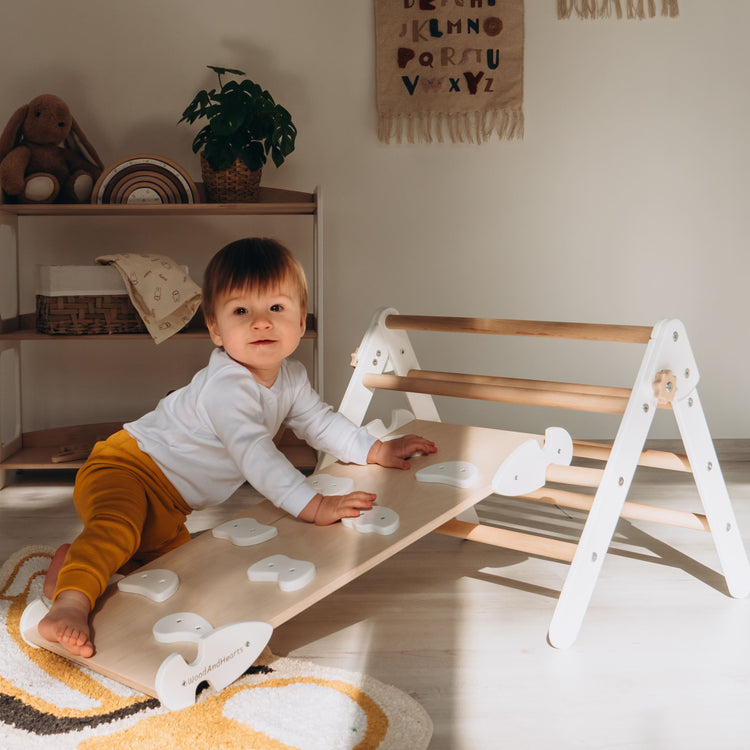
[237, 184]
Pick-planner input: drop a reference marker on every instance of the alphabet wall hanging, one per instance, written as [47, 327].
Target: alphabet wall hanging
[449, 70]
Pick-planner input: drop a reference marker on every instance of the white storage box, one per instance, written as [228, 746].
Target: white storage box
[61, 281]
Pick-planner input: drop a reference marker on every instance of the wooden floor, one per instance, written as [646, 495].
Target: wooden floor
[662, 661]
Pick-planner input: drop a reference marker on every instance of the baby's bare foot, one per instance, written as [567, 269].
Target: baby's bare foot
[67, 623]
[50, 580]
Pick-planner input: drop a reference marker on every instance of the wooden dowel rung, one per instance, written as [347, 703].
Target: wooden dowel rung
[549, 329]
[551, 385]
[529, 396]
[631, 511]
[651, 458]
[515, 540]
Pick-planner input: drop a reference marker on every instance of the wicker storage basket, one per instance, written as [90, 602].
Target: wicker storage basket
[77, 300]
[238, 184]
[81, 314]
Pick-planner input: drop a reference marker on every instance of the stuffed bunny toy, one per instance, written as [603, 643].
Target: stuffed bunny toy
[44, 155]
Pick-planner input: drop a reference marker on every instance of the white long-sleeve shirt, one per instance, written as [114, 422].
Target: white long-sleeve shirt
[217, 432]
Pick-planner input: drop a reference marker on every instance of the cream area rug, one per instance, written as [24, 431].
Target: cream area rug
[280, 703]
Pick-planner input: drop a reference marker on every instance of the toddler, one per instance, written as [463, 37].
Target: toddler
[204, 440]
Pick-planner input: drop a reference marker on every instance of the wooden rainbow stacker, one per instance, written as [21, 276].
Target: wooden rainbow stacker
[206, 610]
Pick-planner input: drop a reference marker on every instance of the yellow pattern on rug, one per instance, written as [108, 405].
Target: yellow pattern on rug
[280, 703]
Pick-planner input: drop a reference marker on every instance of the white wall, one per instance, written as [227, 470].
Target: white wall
[624, 203]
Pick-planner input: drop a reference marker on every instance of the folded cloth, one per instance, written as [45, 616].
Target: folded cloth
[161, 291]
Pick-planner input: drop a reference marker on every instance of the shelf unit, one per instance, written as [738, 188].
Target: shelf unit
[40, 449]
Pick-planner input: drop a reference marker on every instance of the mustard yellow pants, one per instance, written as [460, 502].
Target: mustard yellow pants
[131, 515]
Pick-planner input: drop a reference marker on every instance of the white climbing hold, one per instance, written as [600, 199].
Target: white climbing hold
[326, 484]
[181, 627]
[454, 473]
[289, 574]
[155, 584]
[245, 532]
[376, 520]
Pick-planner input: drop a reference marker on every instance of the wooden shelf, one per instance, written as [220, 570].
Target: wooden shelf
[271, 201]
[38, 449]
[35, 450]
[25, 330]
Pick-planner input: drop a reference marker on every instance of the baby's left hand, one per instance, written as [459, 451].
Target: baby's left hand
[392, 453]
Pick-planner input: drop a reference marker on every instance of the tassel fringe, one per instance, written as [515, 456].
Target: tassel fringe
[470, 127]
[606, 8]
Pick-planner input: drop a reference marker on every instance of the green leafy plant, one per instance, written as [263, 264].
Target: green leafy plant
[244, 122]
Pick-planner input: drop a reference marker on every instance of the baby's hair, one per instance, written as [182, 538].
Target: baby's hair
[254, 262]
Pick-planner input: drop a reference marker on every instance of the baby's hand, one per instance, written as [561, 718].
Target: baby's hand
[392, 453]
[324, 510]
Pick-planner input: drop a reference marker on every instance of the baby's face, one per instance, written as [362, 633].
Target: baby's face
[259, 329]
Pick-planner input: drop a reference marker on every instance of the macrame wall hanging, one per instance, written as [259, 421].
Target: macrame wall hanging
[609, 8]
[449, 71]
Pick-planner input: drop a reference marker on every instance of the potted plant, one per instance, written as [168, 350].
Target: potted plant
[245, 125]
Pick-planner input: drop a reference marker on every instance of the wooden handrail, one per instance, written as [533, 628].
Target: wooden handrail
[505, 394]
[549, 329]
[542, 385]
